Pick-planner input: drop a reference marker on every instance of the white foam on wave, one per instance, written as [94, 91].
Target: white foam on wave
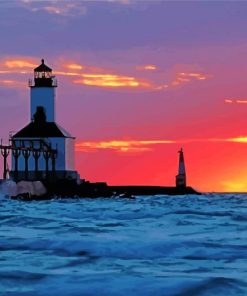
[11, 188]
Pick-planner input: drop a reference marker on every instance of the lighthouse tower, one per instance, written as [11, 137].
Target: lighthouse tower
[43, 92]
[42, 149]
[181, 177]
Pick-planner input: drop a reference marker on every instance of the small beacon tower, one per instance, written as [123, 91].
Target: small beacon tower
[42, 150]
[181, 177]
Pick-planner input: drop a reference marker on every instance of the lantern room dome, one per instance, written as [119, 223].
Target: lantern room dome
[43, 76]
[42, 67]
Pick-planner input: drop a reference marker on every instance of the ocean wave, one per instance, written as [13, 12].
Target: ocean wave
[150, 246]
[123, 248]
[214, 286]
[202, 213]
[112, 284]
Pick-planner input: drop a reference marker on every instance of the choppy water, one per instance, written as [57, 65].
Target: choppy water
[187, 245]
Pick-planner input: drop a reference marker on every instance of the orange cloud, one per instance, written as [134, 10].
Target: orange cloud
[50, 9]
[146, 67]
[198, 76]
[88, 69]
[55, 7]
[63, 73]
[236, 101]
[160, 87]
[241, 139]
[145, 145]
[5, 72]
[112, 81]
[19, 64]
[183, 77]
[12, 83]
[7, 81]
[120, 145]
[75, 67]
[241, 101]
[92, 78]
[100, 77]
[126, 2]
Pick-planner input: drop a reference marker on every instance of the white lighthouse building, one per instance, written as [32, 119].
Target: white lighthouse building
[42, 149]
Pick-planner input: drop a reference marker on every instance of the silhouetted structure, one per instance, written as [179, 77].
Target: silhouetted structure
[181, 177]
[42, 150]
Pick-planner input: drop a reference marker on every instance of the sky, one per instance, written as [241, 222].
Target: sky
[137, 80]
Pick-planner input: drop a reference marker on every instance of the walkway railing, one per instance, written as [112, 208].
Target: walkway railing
[44, 149]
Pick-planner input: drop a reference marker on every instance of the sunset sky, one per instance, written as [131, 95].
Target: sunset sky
[137, 80]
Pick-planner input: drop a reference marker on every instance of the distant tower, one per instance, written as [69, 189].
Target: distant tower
[32, 158]
[181, 177]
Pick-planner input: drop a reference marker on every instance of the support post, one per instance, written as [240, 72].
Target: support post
[46, 155]
[5, 152]
[26, 153]
[16, 153]
[53, 159]
[36, 155]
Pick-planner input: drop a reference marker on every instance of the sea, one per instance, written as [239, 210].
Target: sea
[153, 245]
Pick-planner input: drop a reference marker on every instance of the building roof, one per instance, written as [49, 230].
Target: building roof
[42, 67]
[42, 130]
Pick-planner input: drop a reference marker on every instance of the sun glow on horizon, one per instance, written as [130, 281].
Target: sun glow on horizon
[238, 140]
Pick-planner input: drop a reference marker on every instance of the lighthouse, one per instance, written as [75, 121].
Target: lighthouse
[181, 176]
[42, 149]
